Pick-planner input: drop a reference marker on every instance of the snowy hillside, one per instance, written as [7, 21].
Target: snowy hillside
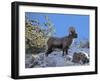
[55, 59]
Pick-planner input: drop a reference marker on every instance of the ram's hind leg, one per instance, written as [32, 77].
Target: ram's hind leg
[63, 53]
[48, 51]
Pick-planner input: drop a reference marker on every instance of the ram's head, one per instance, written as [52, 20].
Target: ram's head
[72, 32]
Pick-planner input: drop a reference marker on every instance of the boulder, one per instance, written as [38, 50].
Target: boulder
[80, 57]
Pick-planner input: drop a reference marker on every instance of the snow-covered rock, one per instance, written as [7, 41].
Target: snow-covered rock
[29, 61]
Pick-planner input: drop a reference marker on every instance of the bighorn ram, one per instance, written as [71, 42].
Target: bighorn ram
[61, 43]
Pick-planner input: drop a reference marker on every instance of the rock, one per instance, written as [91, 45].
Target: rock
[69, 58]
[80, 58]
[29, 60]
[50, 63]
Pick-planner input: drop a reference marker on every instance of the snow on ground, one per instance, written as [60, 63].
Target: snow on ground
[55, 59]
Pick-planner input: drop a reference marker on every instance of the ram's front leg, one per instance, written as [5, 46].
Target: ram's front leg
[67, 50]
[63, 53]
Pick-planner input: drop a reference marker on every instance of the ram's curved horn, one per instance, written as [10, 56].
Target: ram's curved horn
[71, 30]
